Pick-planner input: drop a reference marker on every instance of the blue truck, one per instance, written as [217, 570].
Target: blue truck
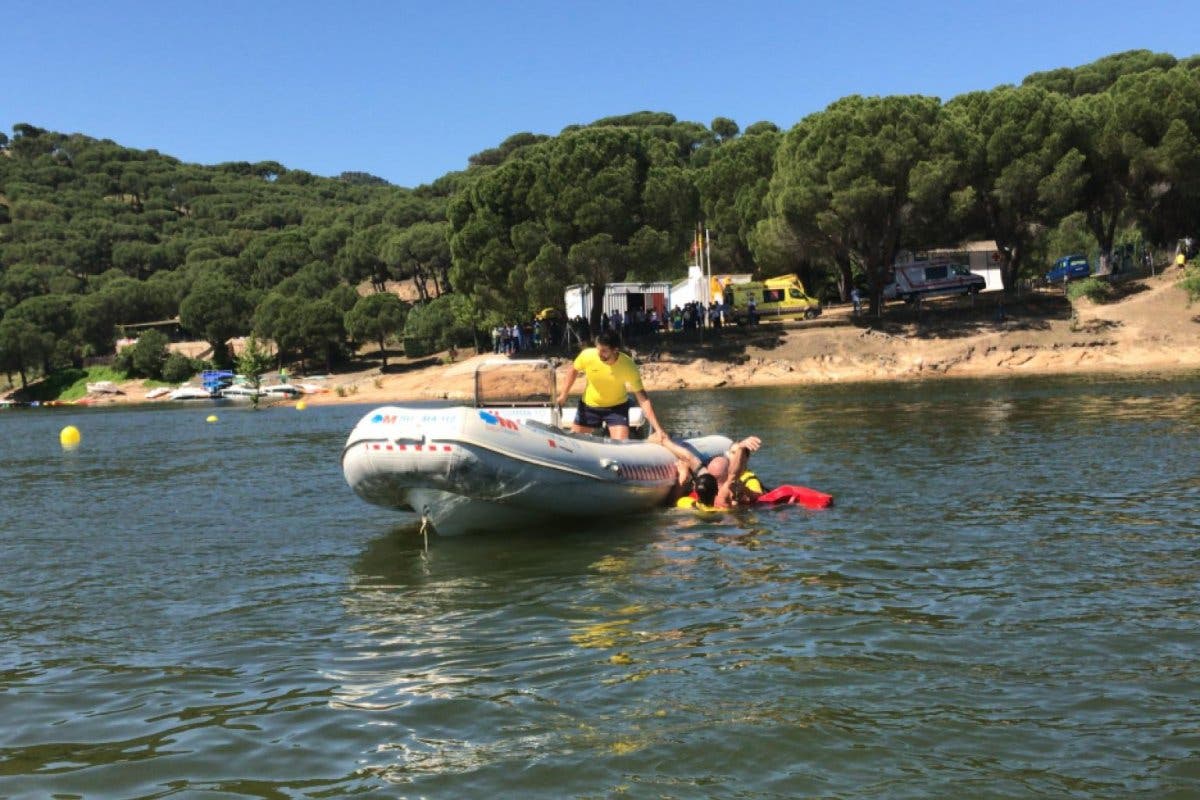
[1068, 268]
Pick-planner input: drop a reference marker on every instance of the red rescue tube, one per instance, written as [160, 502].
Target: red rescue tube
[797, 495]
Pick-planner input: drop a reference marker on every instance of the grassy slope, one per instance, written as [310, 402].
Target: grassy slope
[71, 384]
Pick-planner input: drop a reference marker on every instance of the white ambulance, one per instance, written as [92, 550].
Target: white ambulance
[921, 279]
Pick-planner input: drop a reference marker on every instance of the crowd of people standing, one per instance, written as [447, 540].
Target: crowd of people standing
[535, 335]
[542, 334]
[688, 317]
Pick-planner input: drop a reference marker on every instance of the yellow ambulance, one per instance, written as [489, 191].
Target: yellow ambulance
[780, 298]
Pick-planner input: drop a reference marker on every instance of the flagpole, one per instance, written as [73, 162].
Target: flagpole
[708, 259]
[703, 298]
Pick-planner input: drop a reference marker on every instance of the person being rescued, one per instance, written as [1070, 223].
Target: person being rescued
[726, 482]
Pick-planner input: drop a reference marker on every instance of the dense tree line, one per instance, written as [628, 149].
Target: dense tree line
[94, 235]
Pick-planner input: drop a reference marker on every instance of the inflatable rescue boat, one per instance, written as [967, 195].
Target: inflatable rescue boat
[489, 466]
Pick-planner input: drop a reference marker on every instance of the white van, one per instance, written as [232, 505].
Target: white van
[922, 279]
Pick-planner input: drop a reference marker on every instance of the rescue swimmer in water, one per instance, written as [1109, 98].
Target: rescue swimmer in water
[726, 481]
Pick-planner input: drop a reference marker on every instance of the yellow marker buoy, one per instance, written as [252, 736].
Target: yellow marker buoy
[211, 418]
[301, 405]
[69, 437]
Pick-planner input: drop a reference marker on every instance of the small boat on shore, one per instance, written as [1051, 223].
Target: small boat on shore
[490, 466]
[190, 393]
[241, 392]
[103, 387]
[286, 390]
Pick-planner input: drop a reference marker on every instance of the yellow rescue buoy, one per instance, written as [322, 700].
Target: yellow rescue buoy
[69, 437]
[301, 405]
[211, 418]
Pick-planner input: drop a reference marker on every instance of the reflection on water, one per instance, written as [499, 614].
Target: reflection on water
[1001, 604]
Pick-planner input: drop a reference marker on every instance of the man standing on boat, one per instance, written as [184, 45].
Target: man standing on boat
[610, 375]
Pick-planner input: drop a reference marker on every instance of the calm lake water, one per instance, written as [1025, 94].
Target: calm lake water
[1003, 603]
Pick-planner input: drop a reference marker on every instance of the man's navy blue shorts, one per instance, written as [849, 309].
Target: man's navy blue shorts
[595, 416]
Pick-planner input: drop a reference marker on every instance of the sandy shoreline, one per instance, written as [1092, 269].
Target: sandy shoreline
[1150, 330]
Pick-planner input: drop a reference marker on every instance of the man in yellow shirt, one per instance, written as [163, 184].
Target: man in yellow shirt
[610, 376]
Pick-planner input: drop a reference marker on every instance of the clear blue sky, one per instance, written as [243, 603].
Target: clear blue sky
[407, 90]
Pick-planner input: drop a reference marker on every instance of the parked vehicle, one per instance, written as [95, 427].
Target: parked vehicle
[921, 279]
[1069, 268]
[782, 297]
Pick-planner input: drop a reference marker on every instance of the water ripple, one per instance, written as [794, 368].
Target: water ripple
[1002, 604]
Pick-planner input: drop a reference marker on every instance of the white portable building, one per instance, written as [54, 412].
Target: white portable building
[624, 296]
